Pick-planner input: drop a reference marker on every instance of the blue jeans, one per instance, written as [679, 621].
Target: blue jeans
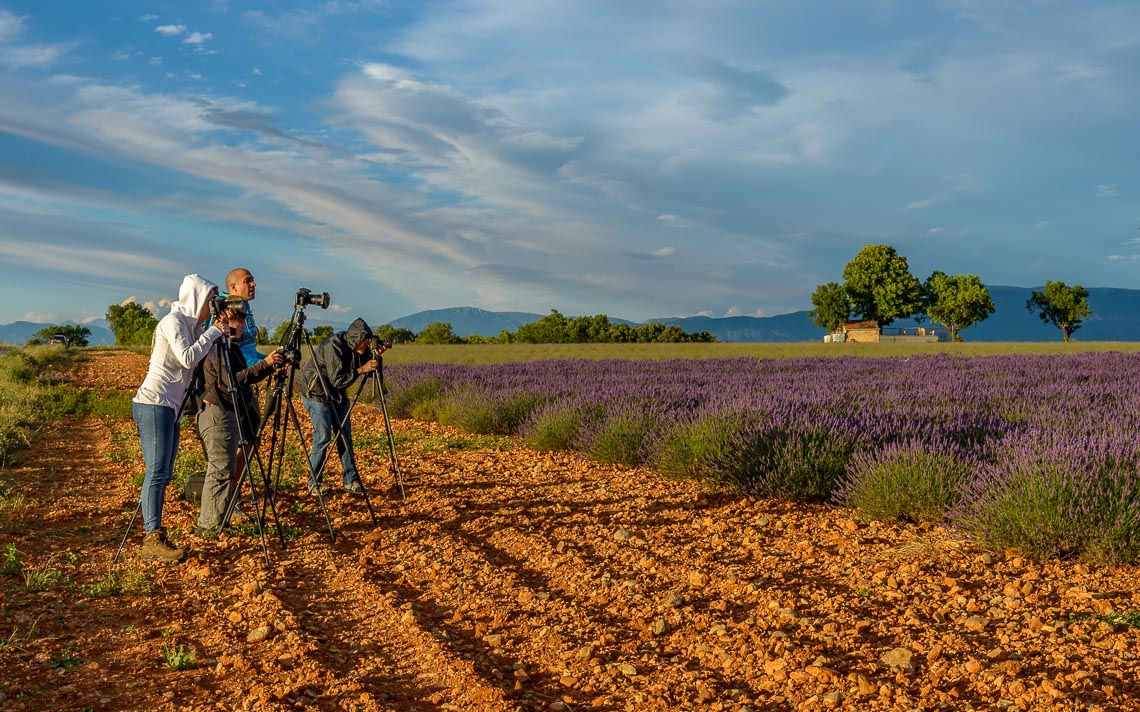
[326, 418]
[158, 435]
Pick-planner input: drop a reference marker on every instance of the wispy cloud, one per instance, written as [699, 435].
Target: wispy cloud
[197, 38]
[170, 30]
[1107, 190]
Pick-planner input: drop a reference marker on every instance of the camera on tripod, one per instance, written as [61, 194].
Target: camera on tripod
[306, 297]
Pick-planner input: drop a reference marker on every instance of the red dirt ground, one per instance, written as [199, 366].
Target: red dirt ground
[516, 580]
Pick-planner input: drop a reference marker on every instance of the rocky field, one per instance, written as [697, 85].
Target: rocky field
[515, 580]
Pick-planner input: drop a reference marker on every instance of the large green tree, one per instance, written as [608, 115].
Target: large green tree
[131, 323]
[438, 332]
[880, 285]
[387, 332]
[76, 335]
[957, 301]
[832, 306]
[1062, 306]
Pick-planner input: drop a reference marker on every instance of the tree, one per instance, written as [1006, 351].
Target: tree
[387, 332]
[832, 306]
[322, 332]
[880, 285]
[76, 335]
[131, 323]
[957, 301]
[1061, 305]
[262, 335]
[281, 332]
[438, 332]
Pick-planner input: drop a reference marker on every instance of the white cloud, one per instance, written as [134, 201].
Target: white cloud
[11, 26]
[197, 38]
[926, 202]
[154, 61]
[256, 72]
[1123, 258]
[665, 252]
[1107, 190]
[170, 30]
[38, 56]
[148, 18]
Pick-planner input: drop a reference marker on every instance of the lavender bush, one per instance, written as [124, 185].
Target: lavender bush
[915, 481]
[887, 435]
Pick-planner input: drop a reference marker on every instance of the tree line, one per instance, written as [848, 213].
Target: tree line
[132, 323]
[878, 286]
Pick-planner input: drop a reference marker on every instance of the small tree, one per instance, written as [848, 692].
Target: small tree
[387, 332]
[131, 323]
[76, 335]
[1061, 305]
[438, 332]
[832, 307]
[957, 301]
[281, 331]
[880, 285]
[322, 332]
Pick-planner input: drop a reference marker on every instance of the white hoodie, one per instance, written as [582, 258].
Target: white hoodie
[178, 346]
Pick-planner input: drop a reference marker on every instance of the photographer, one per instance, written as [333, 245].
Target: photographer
[218, 418]
[179, 343]
[325, 379]
[240, 283]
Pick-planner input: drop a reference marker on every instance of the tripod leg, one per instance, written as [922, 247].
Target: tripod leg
[127, 533]
[391, 442]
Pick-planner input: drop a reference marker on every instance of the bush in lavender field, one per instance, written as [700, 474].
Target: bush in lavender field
[1058, 498]
[416, 398]
[689, 449]
[475, 411]
[800, 463]
[623, 435]
[913, 481]
[557, 426]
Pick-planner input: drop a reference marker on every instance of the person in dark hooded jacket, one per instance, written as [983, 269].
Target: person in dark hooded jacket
[336, 364]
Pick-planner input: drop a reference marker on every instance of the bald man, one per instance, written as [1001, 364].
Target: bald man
[240, 283]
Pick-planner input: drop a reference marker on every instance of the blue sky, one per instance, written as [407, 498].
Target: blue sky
[634, 158]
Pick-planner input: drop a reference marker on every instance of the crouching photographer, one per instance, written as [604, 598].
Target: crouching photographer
[336, 364]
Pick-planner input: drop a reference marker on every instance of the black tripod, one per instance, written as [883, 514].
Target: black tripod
[247, 448]
[279, 410]
[374, 381]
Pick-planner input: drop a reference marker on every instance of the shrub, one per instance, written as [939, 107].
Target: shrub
[473, 411]
[558, 425]
[180, 659]
[624, 434]
[11, 565]
[405, 399]
[688, 451]
[798, 463]
[914, 481]
[1052, 498]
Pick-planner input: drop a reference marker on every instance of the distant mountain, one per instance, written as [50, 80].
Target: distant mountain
[466, 321]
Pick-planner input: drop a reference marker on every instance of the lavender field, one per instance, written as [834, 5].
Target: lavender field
[1037, 452]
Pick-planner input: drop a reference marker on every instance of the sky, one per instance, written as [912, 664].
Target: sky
[638, 159]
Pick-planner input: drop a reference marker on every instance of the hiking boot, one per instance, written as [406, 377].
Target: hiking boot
[320, 489]
[354, 487]
[156, 546]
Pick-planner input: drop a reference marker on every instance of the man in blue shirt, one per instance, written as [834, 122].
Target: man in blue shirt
[240, 283]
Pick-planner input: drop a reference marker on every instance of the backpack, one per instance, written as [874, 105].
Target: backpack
[192, 490]
[192, 403]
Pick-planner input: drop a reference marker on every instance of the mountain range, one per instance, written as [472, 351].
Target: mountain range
[1115, 317]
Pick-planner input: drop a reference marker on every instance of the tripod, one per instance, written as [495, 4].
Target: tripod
[280, 411]
[376, 381]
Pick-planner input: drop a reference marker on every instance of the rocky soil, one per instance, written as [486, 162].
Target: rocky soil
[515, 580]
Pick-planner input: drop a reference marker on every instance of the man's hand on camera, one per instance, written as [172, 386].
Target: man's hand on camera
[275, 358]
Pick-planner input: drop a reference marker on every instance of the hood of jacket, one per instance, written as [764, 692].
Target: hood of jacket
[357, 331]
[193, 293]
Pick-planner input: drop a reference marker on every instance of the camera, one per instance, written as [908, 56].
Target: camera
[219, 303]
[306, 297]
[377, 344]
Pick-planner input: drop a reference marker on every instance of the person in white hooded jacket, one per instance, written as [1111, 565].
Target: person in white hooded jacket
[180, 342]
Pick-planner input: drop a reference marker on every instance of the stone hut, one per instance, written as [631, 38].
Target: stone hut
[861, 332]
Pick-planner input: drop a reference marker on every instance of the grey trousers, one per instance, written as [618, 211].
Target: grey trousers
[219, 432]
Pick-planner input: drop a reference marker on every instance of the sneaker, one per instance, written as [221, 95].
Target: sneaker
[156, 546]
[354, 487]
[321, 490]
